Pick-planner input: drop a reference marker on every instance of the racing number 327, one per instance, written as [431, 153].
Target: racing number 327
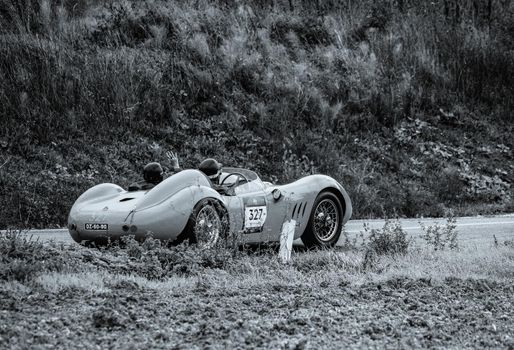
[255, 214]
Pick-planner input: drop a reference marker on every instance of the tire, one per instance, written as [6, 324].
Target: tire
[205, 226]
[325, 222]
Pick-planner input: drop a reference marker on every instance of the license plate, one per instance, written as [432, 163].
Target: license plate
[96, 227]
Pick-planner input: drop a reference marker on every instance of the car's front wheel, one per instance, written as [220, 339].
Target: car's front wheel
[325, 222]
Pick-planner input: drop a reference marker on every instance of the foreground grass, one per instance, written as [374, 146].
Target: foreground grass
[308, 269]
[144, 295]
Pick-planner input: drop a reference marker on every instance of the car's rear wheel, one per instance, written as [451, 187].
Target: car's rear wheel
[325, 222]
[205, 226]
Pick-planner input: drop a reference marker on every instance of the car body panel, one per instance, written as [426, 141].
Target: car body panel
[106, 211]
[296, 203]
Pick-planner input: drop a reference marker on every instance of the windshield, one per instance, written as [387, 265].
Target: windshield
[250, 175]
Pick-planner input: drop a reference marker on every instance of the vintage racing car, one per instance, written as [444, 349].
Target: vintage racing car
[187, 206]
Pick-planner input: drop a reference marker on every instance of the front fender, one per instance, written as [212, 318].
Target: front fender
[324, 183]
[348, 209]
[302, 193]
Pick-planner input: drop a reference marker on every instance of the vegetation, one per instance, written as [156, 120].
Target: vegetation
[390, 240]
[441, 237]
[24, 258]
[408, 104]
[148, 294]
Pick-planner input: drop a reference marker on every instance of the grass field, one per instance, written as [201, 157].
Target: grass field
[147, 296]
[408, 104]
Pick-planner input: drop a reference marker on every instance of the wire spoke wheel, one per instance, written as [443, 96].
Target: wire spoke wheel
[207, 227]
[326, 220]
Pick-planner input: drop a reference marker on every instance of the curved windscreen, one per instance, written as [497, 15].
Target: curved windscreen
[250, 175]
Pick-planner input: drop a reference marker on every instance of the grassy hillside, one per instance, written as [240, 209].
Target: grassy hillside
[408, 105]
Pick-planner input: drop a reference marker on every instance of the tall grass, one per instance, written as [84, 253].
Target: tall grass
[93, 90]
[150, 265]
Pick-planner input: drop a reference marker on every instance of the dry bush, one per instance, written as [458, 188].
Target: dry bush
[22, 257]
[154, 259]
[391, 240]
[441, 237]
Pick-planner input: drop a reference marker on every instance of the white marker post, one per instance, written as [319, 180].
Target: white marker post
[286, 240]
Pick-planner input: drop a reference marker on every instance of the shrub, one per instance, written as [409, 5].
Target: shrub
[441, 237]
[17, 244]
[22, 257]
[155, 259]
[390, 240]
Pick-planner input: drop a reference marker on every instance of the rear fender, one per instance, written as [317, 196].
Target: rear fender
[170, 187]
[168, 219]
[99, 193]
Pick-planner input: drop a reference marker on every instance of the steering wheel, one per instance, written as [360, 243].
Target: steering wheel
[240, 177]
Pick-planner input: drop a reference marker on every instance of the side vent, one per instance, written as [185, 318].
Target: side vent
[126, 199]
[299, 210]
[294, 210]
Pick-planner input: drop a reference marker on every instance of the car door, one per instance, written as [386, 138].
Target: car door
[249, 211]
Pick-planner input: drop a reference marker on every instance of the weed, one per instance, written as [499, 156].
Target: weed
[390, 240]
[349, 244]
[509, 243]
[441, 237]
[155, 259]
[22, 257]
[133, 248]
[18, 244]
[18, 252]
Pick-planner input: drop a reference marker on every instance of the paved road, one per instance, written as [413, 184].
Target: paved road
[472, 230]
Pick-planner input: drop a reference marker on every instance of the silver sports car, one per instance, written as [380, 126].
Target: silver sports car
[187, 206]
